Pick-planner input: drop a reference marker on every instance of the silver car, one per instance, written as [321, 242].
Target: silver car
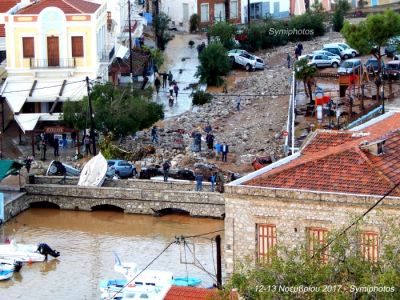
[350, 66]
[249, 61]
[320, 60]
[327, 53]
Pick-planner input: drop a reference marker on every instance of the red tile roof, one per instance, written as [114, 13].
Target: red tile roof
[67, 6]
[335, 161]
[190, 293]
[6, 5]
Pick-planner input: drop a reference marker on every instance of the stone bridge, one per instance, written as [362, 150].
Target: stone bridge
[131, 196]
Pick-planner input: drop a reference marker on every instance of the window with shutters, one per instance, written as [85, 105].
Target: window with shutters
[77, 46]
[233, 14]
[204, 13]
[28, 47]
[369, 246]
[266, 242]
[317, 238]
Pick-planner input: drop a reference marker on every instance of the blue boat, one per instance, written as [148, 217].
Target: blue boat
[186, 281]
[5, 274]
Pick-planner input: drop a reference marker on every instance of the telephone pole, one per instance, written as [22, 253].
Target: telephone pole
[91, 117]
[248, 12]
[219, 261]
[130, 41]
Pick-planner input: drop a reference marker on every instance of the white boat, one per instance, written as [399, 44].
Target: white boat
[26, 252]
[55, 169]
[5, 274]
[94, 172]
[10, 264]
[150, 284]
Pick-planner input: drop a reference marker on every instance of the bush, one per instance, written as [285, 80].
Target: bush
[224, 33]
[161, 30]
[214, 63]
[309, 24]
[337, 21]
[201, 97]
[194, 22]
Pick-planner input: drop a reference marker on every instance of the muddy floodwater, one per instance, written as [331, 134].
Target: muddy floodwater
[86, 241]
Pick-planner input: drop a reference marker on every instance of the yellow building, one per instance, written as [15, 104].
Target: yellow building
[52, 46]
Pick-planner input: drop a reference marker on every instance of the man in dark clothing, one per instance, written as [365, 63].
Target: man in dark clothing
[157, 84]
[28, 164]
[56, 147]
[166, 167]
[154, 136]
[86, 142]
[164, 80]
[225, 151]
[210, 141]
[170, 77]
[43, 149]
[145, 80]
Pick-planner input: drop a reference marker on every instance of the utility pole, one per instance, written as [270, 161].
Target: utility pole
[248, 12]
[91, 117]
[156, 10]
[219, 263]
[130, 41]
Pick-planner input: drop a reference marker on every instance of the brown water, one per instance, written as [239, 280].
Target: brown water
[86, 241]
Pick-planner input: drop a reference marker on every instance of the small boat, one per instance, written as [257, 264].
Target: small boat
[26, 252]
[10, 264]
[94, 172]
[5, 274]
[55, 169]
[150, 284]
[261, 161]
[186, 281]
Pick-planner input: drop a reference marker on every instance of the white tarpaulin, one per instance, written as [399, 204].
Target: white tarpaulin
[16, 93]
[121, 51]
[27, 122]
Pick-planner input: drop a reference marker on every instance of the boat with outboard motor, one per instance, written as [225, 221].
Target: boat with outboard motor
[26, 252]
[94, 172]
[10, 264]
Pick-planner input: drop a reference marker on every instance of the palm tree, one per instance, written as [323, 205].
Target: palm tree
[306, 73]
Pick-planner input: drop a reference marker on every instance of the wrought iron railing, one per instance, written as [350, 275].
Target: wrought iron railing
[52, 63]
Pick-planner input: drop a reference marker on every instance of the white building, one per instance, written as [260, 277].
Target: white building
[259, 9]
[179, 11]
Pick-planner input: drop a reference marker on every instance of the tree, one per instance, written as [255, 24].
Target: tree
[161, 23]
[214, 63]
[224, 33]
[306, 73]
[342, 7]
[332, 274]
[372, 34]
[194, 22]
[116, 111]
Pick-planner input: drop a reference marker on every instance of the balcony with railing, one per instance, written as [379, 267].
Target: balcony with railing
[64, 63]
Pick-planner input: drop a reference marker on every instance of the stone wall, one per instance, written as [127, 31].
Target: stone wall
[292, 212]
[131, 200]
[15, 207]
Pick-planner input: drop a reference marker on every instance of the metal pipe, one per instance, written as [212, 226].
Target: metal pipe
[219, 261]
[91, 117]
[293, 107]
[130, 41]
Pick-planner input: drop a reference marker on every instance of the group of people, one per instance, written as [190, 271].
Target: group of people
[162, 79]
[297, 53]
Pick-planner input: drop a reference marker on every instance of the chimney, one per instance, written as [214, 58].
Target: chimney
[376, 148]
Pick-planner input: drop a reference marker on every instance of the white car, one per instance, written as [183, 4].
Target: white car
[248, 61]
[327, 53]
[320, 60]
[341, 49]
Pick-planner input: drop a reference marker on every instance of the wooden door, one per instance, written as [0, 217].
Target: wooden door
[53, 51]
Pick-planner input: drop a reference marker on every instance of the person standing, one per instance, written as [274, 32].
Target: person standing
[43, 149]
[56, 147]
[28, 164]
[210, 141]
[176, 90]
[238, 100]
[170, 77]
[288, 60]
[199, 181]
[154, 136]
[300, 46]
[171, 90]
[166, 167]
[296, 53]
[86, 142]
[157, 84]
[220, 182]
[164, 80]
[208, 128]
[225, 151]
[218, 150]
[213, 179]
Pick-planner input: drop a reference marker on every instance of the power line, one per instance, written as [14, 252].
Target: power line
[144, 269]
[358, 219]
[41, 88]
[202, 234]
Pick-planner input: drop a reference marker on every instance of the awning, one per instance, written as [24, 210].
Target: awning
[121, 51]
[16, 93]
[27, 122]
[9, 167]
[74, 90]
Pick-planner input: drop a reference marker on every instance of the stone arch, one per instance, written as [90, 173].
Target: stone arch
[44, 204]
[103, 207]
[170, 209]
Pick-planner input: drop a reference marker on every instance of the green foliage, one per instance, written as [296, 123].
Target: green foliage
[374, 32]
[111, 151]
[224, 33]
[341, 8]
[214, 63]
[194, 22]
[157, 56]
[201, 97]
[309, 25]
[345, 269]
[305, 73]
[161, 23]
[117, 111]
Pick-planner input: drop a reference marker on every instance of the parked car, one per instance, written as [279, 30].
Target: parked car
[338, 50]
[392, 70]
[327, 53]
[346, 47]
[372, 65]
[121, 168]
[250, 62]
[350, 66]
[320, 60]
[235, 52]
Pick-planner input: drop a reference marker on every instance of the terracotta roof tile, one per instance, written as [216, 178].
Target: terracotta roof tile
[333, 161]
[190, 293]
[67, 6]
[6, 5]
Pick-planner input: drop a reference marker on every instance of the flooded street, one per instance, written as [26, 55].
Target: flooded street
[182, 61]
[86, 241]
